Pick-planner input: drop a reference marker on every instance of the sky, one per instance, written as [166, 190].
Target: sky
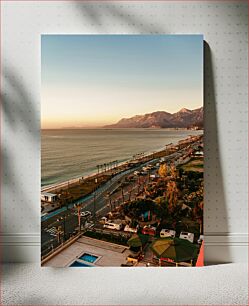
[93, 80]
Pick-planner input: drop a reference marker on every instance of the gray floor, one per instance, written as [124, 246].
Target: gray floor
[29, 284]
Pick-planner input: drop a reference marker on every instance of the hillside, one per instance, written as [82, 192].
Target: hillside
[185, 118]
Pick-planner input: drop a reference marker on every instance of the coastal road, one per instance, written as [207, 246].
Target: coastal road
[68, 221]
[107, 187]
[98, 202]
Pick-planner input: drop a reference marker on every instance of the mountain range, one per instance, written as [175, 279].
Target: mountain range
[185, 118]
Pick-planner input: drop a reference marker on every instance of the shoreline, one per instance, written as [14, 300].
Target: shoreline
[119, 128]
[91, 175]
[73, 180]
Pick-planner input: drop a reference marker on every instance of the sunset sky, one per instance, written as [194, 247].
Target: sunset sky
[93, 80]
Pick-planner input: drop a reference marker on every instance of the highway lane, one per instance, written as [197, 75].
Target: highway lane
[100, 194]
[101, 207]
[105, 188]
[70, 225]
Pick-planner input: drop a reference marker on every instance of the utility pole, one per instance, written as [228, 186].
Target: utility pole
[94, 206]
[78, 208]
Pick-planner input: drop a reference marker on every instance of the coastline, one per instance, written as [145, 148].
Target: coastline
[91, 175]
[53, 172]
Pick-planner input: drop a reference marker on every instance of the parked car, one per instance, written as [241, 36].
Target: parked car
[167, 233]
[130, 229]
[187, 236]
[134, 258]
[103, 220]
[149, 230]
[85, 213]
[114, 226]
[144, 172]
[89, 224]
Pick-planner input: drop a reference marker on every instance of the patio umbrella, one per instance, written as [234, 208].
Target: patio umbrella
[137, 241]
[174, 248]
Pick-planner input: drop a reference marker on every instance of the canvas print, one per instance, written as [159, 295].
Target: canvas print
[122, 151]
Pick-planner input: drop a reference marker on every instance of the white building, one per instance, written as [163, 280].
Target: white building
[48, 197]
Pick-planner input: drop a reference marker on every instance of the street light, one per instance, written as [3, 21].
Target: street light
[94, 199]
[78, 208]
[64, 226]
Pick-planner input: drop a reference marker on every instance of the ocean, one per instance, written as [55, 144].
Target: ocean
[71, 153]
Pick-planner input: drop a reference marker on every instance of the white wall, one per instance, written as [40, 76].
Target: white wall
[224, 25]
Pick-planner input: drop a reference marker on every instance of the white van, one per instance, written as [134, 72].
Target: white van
[103, 220]
[130, 229]
[113, 226]
[145, 168]
[167, 233]
[187, 236]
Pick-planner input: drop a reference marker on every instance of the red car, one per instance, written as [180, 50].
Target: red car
[149, 230]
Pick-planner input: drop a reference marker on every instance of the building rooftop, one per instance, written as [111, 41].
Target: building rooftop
[48, 194]
[109, 254]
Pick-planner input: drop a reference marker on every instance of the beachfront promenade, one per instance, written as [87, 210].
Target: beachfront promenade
[101, 200]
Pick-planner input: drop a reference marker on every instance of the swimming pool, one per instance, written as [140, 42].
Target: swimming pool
[88, 257]
[79, 264]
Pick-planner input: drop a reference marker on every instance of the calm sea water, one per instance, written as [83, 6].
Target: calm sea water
[68, 153]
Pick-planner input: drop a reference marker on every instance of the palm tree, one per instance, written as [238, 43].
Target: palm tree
[130, 192]
[173, 170]
[163, 170]
[168, 147]
[172, 195]
[110, 201]
[122, 190]
[58, 234]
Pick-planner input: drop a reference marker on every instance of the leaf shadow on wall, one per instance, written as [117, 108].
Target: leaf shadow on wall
[21, 119]
[95, 14]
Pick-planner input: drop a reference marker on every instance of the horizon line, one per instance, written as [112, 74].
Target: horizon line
[104, 125]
